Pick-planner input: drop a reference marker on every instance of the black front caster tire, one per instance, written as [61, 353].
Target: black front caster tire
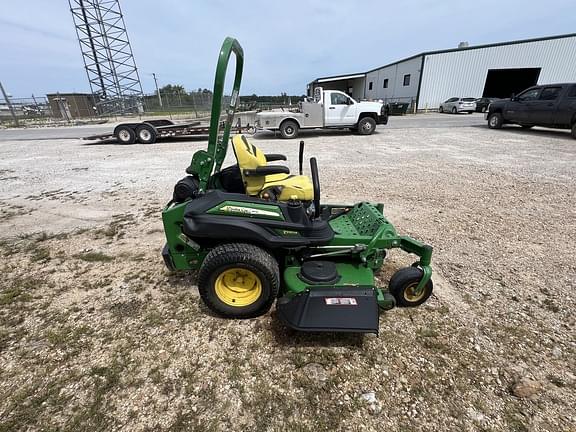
[403, 284]
[239, 280]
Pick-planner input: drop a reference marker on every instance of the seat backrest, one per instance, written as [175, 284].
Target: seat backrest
[249, 156]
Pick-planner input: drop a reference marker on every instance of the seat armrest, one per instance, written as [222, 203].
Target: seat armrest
[266, 170]
[274, 157]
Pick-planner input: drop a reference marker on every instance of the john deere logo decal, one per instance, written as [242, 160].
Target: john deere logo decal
[249, 211]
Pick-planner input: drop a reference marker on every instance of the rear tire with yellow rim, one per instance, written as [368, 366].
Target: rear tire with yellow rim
[403, 287]
[239, 280]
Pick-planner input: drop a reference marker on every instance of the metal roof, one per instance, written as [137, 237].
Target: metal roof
[425, 53]
[514, 42]
[340, 77]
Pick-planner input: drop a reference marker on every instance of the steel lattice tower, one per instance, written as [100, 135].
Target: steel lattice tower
[107, 55]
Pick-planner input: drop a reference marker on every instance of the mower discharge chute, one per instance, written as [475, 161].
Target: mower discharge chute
[257, 234]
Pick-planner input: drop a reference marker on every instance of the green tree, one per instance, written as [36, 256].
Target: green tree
[175, 89]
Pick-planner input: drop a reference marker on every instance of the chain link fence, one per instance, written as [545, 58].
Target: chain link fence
[74, 108]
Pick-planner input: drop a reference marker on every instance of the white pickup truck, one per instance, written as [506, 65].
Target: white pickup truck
[328, 109]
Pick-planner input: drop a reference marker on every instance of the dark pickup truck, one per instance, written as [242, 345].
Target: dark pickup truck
[552, 105]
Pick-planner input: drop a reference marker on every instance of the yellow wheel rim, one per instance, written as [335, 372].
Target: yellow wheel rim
[238, 287]
[411, 295]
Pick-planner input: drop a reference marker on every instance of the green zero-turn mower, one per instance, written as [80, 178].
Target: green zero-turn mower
[258, 234]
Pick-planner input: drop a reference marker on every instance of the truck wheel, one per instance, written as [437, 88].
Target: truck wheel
[239, 280]
[574, 131]
[366, 126]
[495, 121]
[125, 135]
[403, 284]
[289, 129]
[146, 134]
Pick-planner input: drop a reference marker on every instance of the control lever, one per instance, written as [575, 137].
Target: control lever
[301, 156]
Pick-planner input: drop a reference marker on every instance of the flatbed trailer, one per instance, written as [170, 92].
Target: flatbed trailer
[148, 131]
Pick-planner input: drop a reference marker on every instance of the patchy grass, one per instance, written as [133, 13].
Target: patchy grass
[94, 257]
[9, 212]
[19, 289]
[40, 255]
[116, 228]
[67, 336]
[14, 295]
[127, 309]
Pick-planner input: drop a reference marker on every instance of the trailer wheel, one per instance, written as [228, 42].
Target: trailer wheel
[403, 287]
[289, 129]
[146, 134]
[366, 126]
[125, 135]
[239, 280]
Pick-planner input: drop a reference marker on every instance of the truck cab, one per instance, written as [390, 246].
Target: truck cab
[327, 109]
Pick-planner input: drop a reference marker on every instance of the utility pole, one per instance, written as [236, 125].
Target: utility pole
[157, 90]
[10, 107]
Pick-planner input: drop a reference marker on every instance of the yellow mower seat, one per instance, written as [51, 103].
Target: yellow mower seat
[250, 158]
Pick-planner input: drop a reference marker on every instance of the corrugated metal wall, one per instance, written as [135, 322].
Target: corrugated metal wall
[463, 73]
[396, 90]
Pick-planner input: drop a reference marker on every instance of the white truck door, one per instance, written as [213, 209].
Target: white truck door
[339, 109]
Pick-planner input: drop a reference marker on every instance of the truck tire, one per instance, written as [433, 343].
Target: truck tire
[366, 126]
[574, 131]
[289, 129]
[146, 134]
[125, 135]
[495, 121]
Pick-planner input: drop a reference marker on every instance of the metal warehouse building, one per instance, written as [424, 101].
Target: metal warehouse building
[495, 70]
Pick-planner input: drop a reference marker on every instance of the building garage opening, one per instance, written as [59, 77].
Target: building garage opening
[502, 83]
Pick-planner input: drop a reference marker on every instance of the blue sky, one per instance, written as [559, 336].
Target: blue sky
[287, 44]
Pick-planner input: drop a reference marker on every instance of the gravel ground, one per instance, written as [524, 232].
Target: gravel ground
[96, 335]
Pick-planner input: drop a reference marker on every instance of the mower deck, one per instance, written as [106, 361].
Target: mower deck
[331, 309]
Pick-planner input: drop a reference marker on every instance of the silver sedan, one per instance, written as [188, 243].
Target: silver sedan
[457, 105]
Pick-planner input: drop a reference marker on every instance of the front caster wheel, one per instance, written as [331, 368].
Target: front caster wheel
[239, 280]
[403, 287]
